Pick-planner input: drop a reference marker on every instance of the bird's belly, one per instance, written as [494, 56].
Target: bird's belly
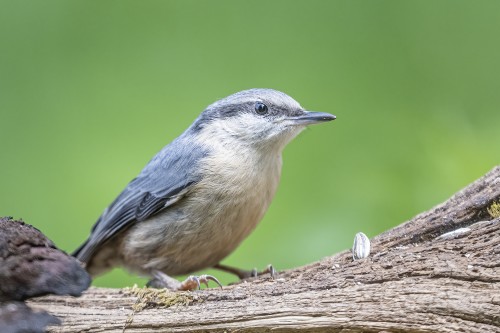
[196, 233]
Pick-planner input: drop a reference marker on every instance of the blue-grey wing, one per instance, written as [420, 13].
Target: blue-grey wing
[164, 181]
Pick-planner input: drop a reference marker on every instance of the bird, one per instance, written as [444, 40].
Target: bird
[202, 194]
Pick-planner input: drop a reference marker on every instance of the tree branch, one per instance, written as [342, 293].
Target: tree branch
[439, 272]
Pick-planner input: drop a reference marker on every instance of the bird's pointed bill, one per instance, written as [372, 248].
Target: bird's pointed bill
[310, 117]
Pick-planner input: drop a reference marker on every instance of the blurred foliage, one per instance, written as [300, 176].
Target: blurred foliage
[91, 90]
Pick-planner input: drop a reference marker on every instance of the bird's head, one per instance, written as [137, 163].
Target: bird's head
[257, 117]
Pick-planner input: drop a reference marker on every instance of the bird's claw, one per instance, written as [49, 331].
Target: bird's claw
[194, 282]
[269, 269]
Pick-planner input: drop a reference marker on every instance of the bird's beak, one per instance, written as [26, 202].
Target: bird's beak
[309, 117]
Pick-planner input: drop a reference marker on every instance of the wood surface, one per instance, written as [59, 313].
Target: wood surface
[438, 272]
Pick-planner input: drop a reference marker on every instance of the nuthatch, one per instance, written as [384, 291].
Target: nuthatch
[202, 194]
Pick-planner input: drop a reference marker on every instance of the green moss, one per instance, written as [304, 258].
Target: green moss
[494, 209]
[156, 298]
[160, 298]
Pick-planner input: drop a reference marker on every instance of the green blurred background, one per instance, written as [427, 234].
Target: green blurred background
[91, 90]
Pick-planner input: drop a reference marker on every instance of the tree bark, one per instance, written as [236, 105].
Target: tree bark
[438, 272]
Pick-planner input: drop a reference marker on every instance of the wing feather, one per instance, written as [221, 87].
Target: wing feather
[165, 180]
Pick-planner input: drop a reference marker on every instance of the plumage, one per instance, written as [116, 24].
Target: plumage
[202, 194]
[161, 183]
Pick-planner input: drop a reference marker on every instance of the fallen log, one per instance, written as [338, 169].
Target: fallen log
[438, 272]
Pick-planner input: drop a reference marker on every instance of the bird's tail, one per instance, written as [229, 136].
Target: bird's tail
[81, 254]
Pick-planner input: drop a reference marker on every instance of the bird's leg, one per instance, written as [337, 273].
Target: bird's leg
[162, 280]
[243, 274]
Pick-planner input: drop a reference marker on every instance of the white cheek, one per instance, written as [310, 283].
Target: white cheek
[247, 130]
[246, 125]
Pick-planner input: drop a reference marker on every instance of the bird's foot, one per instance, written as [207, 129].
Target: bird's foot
[244, 274]
[193, 282]
[162, 280]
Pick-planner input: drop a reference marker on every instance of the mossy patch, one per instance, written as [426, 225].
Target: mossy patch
[156, 298]
[494, 209]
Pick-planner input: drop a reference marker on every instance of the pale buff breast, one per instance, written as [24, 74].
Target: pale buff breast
[213, 218]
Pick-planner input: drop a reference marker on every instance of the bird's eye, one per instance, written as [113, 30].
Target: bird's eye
[260, 108]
